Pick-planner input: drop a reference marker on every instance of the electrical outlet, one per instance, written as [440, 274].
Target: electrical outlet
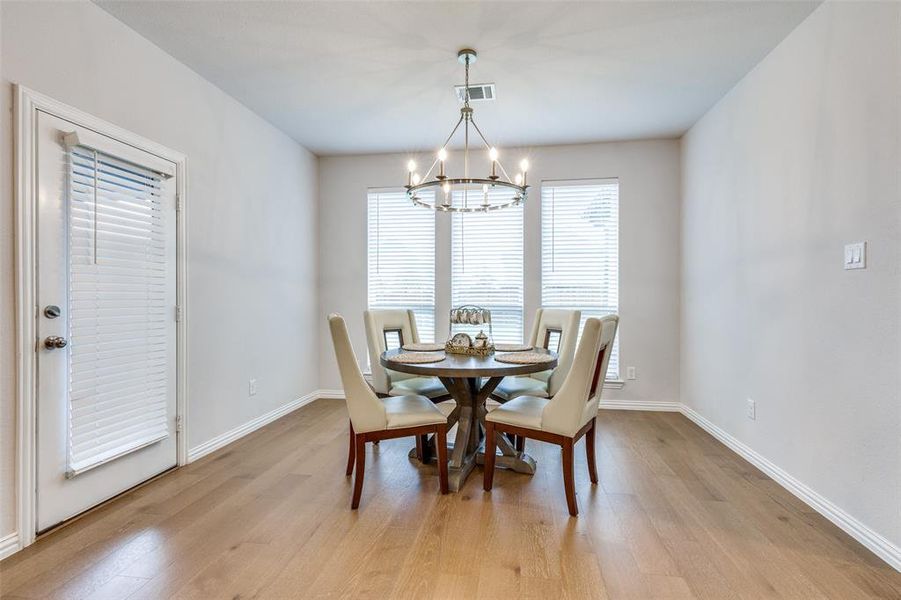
[752, 409]
[630, 373]
[252, 387]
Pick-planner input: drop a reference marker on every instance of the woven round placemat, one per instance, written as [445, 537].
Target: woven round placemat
[415, 358]
[524, 358]
[423, 347]
[512, 347]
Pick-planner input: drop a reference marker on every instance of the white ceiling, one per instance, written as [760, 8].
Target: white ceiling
[353, 77]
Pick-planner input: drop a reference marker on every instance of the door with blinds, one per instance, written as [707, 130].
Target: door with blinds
[106, 318]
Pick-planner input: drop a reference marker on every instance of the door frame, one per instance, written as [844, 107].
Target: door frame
[27, 104]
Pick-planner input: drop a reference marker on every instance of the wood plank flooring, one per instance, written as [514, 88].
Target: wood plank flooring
[676, 515]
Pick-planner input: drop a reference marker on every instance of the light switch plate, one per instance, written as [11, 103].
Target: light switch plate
[856, 255]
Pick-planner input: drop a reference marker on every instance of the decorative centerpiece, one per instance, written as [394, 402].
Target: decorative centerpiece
[463, 343]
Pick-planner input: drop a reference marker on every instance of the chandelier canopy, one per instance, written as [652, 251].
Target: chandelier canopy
[467, 193]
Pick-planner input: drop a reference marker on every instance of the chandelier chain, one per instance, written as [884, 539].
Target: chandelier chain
[468, 116]
[466, 88]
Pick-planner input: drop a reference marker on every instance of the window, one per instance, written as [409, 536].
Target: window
[580, 250]
[487, 267]
[401, 253]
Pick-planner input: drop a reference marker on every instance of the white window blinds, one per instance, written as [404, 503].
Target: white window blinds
[120, 307]
[580, 250]
[401, 250]
[487, 266]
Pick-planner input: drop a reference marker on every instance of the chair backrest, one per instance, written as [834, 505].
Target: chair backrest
[562, 326]
[609, 324]
[563, 414]
[399, 324]
[367, 413]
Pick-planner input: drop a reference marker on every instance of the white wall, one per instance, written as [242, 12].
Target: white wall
[648, 172]
[251, 211]
[801, 157]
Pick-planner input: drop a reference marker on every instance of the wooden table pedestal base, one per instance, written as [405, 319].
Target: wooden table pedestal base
[467, 449]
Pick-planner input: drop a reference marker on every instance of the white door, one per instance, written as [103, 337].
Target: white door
[105, 315]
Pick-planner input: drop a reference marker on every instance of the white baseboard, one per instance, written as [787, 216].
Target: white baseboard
[658, 406]
[238, 432]
[331, 394]
[9, 544]
[873, 541]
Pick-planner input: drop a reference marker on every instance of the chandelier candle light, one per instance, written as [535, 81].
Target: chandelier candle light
[472, 193]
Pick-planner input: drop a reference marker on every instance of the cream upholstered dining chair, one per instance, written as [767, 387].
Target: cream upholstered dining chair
[401, 324]
[372, 418]
[554, 329]
[566, 417]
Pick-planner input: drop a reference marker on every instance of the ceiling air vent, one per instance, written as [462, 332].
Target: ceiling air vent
[478, 92]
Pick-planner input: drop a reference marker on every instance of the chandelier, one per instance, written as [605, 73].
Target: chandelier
[467, 193]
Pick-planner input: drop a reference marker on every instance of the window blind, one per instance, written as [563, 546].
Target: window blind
[120, 307]
[487, 266]
[580, 250]
[401, 251]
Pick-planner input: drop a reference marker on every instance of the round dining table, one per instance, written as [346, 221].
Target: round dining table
[470, 380]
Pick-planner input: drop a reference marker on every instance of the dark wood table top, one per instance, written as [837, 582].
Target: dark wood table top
[459, 365]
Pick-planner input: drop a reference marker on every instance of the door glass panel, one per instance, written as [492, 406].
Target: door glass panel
[118, 313]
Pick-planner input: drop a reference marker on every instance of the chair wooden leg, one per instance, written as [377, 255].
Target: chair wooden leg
[568, 481]
[361, 470]
[520, 443]
[426, 451]
[441, 447]
[350, 453]
[490, 451]
[419, 448]
[589, 451]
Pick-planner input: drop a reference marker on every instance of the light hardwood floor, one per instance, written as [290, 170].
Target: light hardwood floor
[676, 515]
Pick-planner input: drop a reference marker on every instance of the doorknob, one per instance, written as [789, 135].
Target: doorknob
[55, 341]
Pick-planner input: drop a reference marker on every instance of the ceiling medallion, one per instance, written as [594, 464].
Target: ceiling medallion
[467, 193]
